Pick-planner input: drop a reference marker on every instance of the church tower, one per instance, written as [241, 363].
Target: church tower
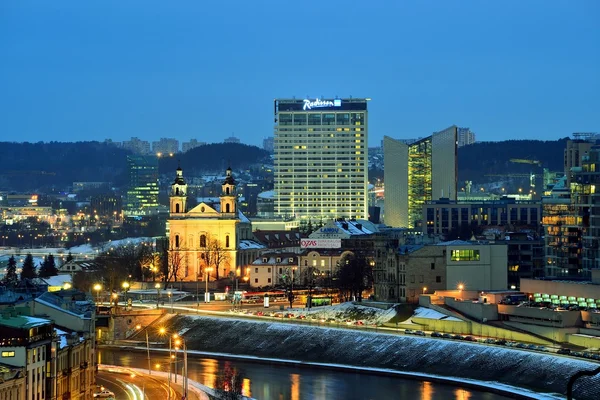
[228, 196]
[178, 196]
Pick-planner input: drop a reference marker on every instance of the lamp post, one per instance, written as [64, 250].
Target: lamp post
[138, 327]
[97, 288]
[157, 287]
[125, 286]
[425, 290]
[170, 300]
[206, 294]
[178, 341]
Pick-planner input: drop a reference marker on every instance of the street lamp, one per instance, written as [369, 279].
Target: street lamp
[178, 341]
[157, 287]
[206, 294]
[97, 288]
[170, 295]
[138, 327]
[125, 286]
[424, 289]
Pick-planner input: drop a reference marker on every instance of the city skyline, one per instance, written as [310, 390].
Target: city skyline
[511, 70]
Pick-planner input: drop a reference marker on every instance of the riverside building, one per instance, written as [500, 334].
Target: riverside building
[321, 168]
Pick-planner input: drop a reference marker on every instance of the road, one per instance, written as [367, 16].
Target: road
[136, 387]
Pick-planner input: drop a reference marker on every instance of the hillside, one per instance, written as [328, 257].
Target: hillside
[486, 158]
[43, 166]
[47, 167]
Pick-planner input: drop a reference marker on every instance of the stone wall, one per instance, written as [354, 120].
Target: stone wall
[540, 372]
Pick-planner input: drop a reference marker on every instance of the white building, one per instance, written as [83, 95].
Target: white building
[321, 158]
[465, 137]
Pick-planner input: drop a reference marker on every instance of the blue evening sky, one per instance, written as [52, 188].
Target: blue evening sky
[90, 70]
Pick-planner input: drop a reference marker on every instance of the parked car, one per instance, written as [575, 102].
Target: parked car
[563, 351]
[447, 336]
[501, 342]
[490, 341]
[436, 334]
[419, 333]
[104, 394]
[470, 339]
[458, 337]
[409, 331]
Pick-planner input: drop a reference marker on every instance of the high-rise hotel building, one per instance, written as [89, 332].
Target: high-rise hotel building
[321, 166]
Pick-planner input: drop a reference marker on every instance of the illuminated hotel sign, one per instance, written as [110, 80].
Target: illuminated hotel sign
[310, 104]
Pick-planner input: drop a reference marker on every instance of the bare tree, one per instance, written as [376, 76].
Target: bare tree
[214, 256]
[309, 278]
[354, 275]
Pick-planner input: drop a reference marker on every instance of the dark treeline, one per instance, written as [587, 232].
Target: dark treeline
[215, 157]
[44, 166]
[36, 166]
[484, 158]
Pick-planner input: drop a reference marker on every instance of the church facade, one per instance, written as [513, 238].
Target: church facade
[212, 240]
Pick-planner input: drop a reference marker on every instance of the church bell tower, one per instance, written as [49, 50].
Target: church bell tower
[178, 196]
[228, 195]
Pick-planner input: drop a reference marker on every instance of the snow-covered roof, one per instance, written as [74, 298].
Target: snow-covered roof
[246, 244]
[24, 321]
[456, 243]
[58, 280]
[269, 194]
[423, 312]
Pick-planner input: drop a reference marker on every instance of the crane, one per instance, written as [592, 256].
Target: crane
[532, 177]
[525, 161]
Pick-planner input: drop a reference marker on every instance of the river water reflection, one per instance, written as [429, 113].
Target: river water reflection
[276, 382]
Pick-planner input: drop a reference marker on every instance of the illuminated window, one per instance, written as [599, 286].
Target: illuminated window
[8, 354]
[464, 255]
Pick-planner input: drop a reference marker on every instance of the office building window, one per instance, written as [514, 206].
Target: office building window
[464, 255]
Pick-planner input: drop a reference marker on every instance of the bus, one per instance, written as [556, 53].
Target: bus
[258, 297]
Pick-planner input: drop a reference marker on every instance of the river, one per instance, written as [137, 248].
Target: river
[264, 381]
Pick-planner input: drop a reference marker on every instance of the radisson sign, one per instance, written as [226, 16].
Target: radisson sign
[310, 104]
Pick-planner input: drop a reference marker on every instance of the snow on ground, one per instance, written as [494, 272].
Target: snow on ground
[345, 312]
[423, 312]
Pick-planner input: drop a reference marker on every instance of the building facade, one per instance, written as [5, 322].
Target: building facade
[192, 144]
[321, 158]
[402, 273]
[571, 219]
[444, 216]
[273, 269]
[465, 137]
[137, 146]
[165, 146]
[212, 239]
[416, 173]
[26, 343]
[142, 194]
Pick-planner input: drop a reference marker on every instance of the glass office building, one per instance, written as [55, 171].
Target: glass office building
[321, 166]
[142, 194]
[416, 173]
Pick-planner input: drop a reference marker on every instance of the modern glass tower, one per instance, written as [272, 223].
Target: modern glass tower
[321, 165]
[142, 194]
[416, 173]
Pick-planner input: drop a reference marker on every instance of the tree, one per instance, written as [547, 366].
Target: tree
[228, 384]
[354, 275]
[11, 278]
[48, 267]
[28, 268]
[214, 256]
[308, 278]
[69, 257]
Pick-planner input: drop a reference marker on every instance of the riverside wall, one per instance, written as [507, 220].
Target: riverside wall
[540, 372]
